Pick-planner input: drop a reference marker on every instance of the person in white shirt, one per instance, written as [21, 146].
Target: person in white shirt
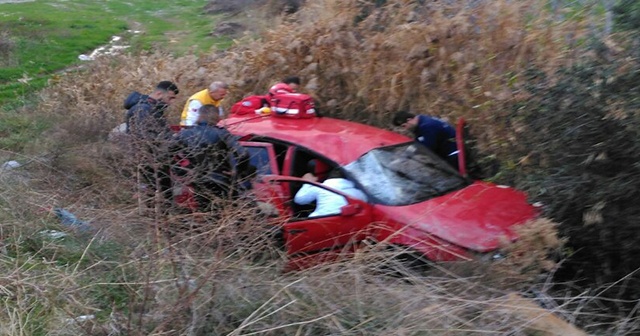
[327, 202]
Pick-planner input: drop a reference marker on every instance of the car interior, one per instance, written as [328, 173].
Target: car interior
[302, 162]
[305, 162]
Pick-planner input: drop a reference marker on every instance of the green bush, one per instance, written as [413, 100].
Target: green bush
[627, 14]
[580, 154]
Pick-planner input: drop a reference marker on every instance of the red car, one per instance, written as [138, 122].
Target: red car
[416, 201]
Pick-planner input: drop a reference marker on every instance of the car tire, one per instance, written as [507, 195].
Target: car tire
[401, 262]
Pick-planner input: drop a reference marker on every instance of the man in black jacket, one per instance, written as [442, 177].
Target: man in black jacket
[217, 161]
[151, 137]
[145, 113]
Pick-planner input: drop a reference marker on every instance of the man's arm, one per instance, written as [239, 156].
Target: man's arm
[359, 194]
[232, 143]
[192, 113]
[307, 194]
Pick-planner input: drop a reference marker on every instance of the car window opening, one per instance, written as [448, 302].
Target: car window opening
[259, 158]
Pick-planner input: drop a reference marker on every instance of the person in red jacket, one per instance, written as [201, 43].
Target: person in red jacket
[293, 82]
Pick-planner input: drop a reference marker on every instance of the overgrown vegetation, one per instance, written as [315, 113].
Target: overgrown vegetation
[549, 96]
[579, 152]
[41, 40]
[627, 14]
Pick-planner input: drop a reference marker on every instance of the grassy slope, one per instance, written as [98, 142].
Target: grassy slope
[47, 36]
[51, 39]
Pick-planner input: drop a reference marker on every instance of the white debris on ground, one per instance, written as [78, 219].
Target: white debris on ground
[117, 132]
[53, 234]
[81, 318]
[10, 165]
[114, 47]
[14, 1]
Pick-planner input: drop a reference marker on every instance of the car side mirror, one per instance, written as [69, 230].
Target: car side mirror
[350, 210]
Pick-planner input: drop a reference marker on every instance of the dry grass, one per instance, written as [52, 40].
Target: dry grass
[440, 60]
[448, 60]
[219, 274]
[203, 274]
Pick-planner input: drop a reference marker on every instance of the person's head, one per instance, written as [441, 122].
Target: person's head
[218, 90]
[280, 88]
[208, 115]
[293, 82]
[405, 119]
[165, 92]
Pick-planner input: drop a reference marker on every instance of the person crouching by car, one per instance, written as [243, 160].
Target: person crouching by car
[217, 162]
[434, 133]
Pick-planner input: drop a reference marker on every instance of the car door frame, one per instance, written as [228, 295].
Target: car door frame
[273, 164]
[309, 241]
[266, 191]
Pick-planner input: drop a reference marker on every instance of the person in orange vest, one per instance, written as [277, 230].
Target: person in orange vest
[210, 96]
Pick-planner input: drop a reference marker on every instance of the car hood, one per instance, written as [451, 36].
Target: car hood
[479, 217]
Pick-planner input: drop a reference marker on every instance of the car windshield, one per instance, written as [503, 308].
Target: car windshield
[404, 174]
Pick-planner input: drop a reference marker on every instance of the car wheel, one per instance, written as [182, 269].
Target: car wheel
[402, 262]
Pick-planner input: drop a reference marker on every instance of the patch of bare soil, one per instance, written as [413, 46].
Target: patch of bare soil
[231, 29]
[230, 7]
[248, 15]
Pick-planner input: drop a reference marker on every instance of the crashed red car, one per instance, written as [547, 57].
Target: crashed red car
[416, 201]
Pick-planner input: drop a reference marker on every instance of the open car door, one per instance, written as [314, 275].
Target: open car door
[460, 143]
[313, 240]
[468, 164]
[263, 157]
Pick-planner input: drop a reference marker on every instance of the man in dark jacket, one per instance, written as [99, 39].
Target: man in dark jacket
[145, 113]
[434, 133]
[217, 161]
[150, 139]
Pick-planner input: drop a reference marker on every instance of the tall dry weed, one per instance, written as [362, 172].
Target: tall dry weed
[217, 275]
[438, 59]
[451, 60]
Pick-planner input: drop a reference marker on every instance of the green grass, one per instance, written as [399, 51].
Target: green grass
[49, 35]
[74, 254]
[45, 36]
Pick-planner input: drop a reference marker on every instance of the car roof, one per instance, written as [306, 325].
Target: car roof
[339, 140]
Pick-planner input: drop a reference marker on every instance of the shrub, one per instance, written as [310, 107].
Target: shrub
[579, 150]
[627, 14]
